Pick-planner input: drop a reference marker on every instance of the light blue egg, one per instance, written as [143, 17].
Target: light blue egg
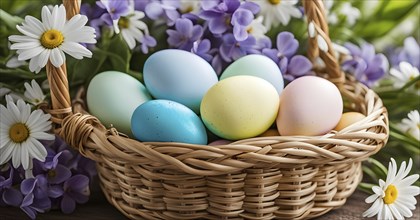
[167, 121]
[179, 76]
[256, 65]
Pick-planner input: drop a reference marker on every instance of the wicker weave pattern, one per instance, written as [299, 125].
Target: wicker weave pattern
[285, 177]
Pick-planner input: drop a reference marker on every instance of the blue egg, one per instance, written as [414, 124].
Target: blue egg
[179, 76]
[167, 121]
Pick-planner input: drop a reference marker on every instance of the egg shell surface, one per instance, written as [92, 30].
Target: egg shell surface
[256, 65]
[240, 107]
[179, 76]
[167, 121]
[113, 96]
[309, 106]
[348, 119]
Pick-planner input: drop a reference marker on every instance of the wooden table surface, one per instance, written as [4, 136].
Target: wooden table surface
[99, 209]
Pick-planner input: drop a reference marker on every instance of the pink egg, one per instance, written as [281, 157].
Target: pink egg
[309, 106]
[220, 142]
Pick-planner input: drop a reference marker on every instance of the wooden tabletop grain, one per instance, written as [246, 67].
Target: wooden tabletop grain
[99, 209]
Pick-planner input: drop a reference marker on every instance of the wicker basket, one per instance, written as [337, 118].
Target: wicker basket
[285, 177]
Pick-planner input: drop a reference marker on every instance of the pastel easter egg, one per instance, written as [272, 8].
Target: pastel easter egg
[179, 76]
[309, 106]
[167, 121]
[240, 107]
[348, 119]
[113, 96]
[256, 65]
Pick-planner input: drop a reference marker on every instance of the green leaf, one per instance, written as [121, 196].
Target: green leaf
[120, 54]
[10, 20]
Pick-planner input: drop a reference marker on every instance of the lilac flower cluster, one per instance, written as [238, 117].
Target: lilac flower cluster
[219, 31]
[367, 66]
[225, 30]
[59, 182]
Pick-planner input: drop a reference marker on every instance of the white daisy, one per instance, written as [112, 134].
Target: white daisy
[49, 39]
[411, 125]
[394, 198]
[278, 11]
[20, 130]
[34, 94]
[351, 13]
[132, 28]
[406, 73]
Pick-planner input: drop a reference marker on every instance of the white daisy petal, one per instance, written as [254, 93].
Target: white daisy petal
[74, 23]
[25, 45]
[28, 54]
[403, 210]
[39, 148]
[395, 212]
[34, 64]
[36, 24]
[22, 39]
[16, 161]
[56, 58]
[59, 19]
[6, 153]
[128, 39]
[374, 209]
[42, 136]
[46, 17]
[371, 198]
[378, 191]
[44, 56]
[76, 50]
[407, 181]
[32, 149]
[24, 156]
[23, 30]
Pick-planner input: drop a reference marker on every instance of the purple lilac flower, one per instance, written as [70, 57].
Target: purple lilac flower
[35, 196]
[9, 195]
[365, 65]
[147, 41]
[115, 9]
[231, 49]
[227, 14]
[291, 65]
[76, 189]
[69, 184]
[410, 53]
[184, 35]
[94, 14]
[202, 49]
[140, 5]
[55, 173]
[166, 9]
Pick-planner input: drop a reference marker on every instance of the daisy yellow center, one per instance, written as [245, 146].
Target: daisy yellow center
[391, 194]
[274, 2]
[52, 38]
[124, 22]
[18, 132]
[417, 85]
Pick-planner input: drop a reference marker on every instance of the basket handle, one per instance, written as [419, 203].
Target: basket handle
[315, 12]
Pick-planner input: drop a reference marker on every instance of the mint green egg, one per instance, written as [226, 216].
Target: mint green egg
[256, 65]
[113, 96]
